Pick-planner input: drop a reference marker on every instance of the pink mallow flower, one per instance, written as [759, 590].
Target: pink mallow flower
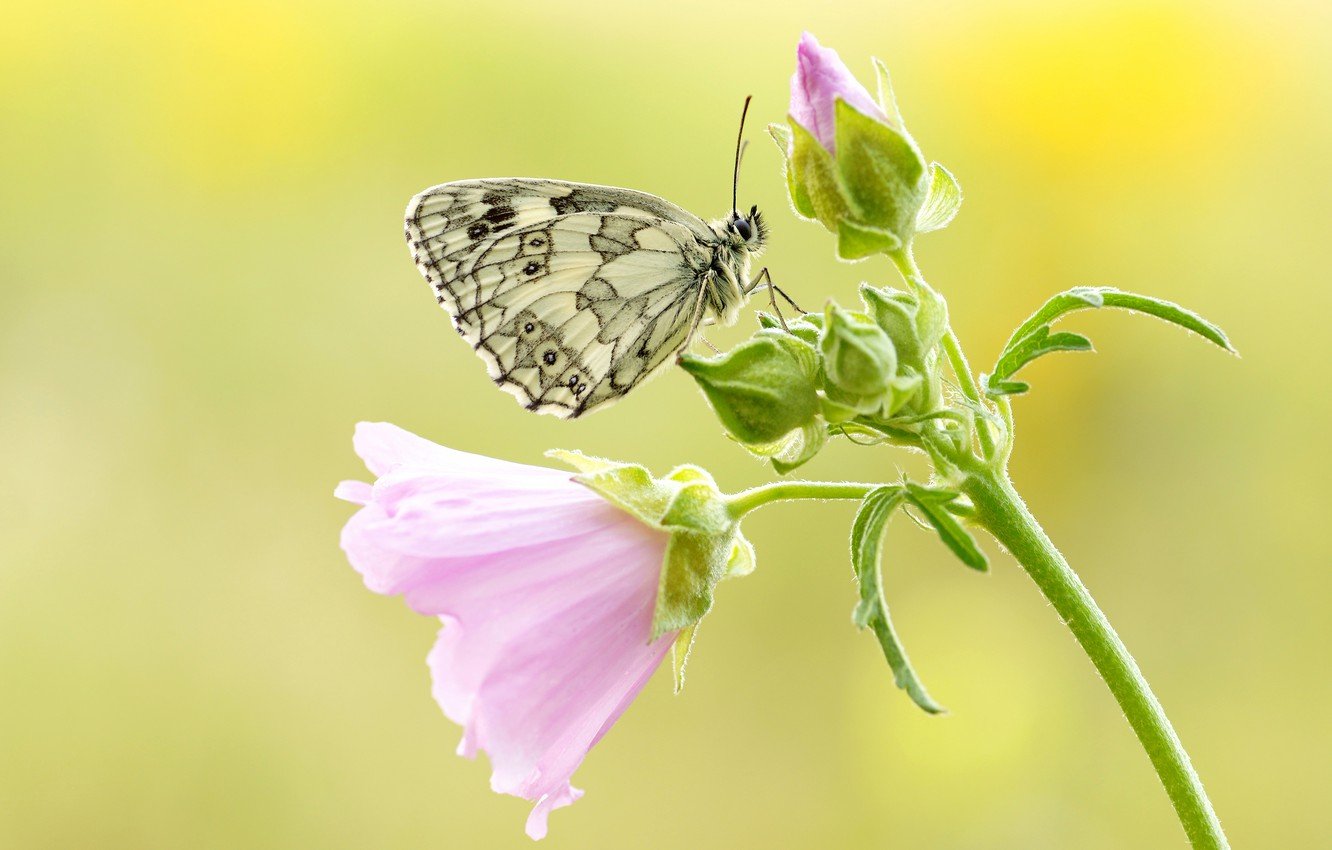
[545, 589]
[820, 78]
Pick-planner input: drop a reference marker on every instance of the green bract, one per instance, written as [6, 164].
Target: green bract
[705, 545]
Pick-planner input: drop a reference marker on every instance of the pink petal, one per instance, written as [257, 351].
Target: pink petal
[819, 79]
[357, 492]
[385, 447]
[545, 590]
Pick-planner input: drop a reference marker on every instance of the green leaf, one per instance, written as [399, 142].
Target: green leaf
[995, 389]
[763, 388]
[942, 201]
[1090, 297]
[1036, 344]
[882, 172]
[872, 611]
[933, 504]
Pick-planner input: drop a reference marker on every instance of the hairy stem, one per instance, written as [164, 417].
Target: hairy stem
[1002, 512]
[957, 361]
[783, 491]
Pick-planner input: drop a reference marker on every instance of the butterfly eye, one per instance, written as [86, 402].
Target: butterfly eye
[742, 228]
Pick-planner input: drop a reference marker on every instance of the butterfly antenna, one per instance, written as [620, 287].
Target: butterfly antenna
[739, 148]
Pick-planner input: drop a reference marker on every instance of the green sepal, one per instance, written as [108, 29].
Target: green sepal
[694, 563]
[743, 559]
[628, 486]
[704, 544]
[800, 328]
[837, 412]
[902, 390]
[794, 449]
[895, 311]
[933, 503]
[761, 389]
[881, 169]
[836, 400]
[680, 650]
[872, 610]
[931, 316]
[858, 356]
[887, 99]
[696, 507]
[740, 563]
[942, 200]
[781, 134]
[814, 181]
[858, 241]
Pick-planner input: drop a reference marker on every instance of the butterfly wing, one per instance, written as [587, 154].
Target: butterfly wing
[572, 294]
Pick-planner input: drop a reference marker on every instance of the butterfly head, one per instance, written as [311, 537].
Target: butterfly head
[747, 232]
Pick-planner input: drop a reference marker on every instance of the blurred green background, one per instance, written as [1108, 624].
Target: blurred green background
[203, 286]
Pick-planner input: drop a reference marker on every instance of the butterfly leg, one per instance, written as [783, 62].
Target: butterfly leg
[695, 321]
[773, 291]
[777, 289]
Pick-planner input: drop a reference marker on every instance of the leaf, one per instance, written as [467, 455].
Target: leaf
[1087, 297]
[942, 200]
[1035, 344]
[872, 611]
[933, 504]
[995, 389]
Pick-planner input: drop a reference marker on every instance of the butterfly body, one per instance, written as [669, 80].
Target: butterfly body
[572, 293]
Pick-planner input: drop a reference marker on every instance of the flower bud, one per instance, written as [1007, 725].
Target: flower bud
[858, 357]
[763, 389]
[850, 163]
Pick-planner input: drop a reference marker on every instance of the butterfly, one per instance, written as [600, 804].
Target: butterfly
[573, 294]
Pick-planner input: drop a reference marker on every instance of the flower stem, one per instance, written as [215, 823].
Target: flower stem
[1002, 512]
[906, 265]
[781, 491]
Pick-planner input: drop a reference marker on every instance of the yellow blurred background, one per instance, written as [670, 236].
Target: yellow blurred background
[203, 286]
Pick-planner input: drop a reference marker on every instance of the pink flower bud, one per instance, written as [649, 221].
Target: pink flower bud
[546, 593]
[819, 79]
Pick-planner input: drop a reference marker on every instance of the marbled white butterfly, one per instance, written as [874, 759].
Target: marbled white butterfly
[573, 294]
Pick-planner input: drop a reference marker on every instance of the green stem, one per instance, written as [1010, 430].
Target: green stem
[781, 491]
[1001, 510]
[906, 265]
